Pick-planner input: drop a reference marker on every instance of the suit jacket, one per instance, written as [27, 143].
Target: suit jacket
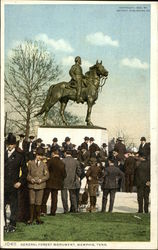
[73, 170]
[57, 173]
[111, 176]
[15, 170]
[37, 172]
[144, 150]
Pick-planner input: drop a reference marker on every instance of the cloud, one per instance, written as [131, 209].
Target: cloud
[134, 63]
[60, 45]
[101, 39]
[69, 61]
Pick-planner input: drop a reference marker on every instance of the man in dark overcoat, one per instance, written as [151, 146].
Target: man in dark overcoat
[120, 148]
[110, 184]
[144, 148]
[57, 174]
[129, 169]
[85, 145]
[73, 171]
[93, 148]
[15, 172]
[142, 180]
[67, 145]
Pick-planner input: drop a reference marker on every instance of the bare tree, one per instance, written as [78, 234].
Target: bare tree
[28, 74]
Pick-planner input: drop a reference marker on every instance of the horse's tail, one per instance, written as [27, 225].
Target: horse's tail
[47, 101]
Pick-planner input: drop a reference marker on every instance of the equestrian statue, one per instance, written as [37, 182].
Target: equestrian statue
[80, 89]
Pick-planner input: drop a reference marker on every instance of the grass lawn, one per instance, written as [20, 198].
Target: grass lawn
[85, 227]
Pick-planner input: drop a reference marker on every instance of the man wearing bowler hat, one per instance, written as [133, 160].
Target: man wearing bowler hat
[85, 145]
[67, 145]
[93, 148]
[15, 172]
[144, 148]
[55, 146]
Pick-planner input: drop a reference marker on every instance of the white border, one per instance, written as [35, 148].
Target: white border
[153, 131]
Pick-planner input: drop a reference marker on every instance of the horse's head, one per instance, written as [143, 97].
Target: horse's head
[100, 70]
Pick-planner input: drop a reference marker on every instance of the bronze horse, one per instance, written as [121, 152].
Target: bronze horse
[65, 91]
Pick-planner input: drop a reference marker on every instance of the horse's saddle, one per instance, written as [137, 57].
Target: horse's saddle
[72, 84]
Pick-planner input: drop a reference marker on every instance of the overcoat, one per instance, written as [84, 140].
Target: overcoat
[144, 150]
[121, 149]
[57, 173]
[73, 170]
[130, 165]
[15, 170]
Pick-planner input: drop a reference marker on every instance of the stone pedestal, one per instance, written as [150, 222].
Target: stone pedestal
[76, 133]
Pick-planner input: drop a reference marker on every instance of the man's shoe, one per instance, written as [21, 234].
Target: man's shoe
[29, 222]
[11, 229]
[39, 222]
[43, 214]
[6, 229]
[51, 214]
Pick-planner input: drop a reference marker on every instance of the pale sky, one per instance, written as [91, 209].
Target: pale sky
[119, 35]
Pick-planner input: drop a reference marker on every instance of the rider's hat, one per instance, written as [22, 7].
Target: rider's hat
[77, 58]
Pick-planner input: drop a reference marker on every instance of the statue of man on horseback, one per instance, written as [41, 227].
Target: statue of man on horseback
[80, 89]
[77, 78]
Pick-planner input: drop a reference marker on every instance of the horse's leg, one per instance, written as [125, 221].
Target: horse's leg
[49, 106]
[45, 118]
[62, 109]
[88, 117]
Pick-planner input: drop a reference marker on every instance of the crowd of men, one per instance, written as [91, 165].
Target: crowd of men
[33, 171]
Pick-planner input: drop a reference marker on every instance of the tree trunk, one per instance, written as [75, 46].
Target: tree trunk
[27, 131]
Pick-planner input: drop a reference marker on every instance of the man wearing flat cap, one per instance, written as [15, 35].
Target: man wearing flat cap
[37, 176]
[93, 174]
[144, 148]
[15, 172]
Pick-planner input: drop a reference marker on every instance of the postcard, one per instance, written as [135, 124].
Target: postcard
[72, 70]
